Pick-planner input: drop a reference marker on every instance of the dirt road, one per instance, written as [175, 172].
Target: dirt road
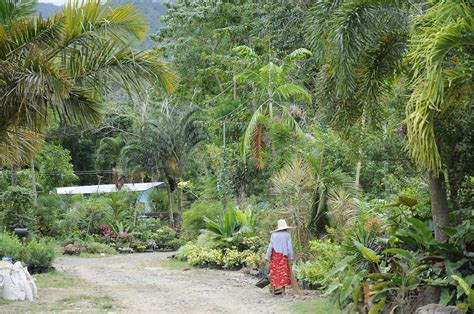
[145, 283]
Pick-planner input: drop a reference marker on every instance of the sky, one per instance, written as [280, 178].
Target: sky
[56, 2]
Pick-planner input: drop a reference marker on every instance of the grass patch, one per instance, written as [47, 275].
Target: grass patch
[167, 263]
[56, 279]
[314, 306]
[86, 301]
[172, 263]
[74, 304]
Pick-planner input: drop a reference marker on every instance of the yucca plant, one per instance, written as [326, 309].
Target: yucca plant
[293, 185]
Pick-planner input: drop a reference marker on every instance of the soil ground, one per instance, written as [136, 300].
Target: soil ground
[150, 283]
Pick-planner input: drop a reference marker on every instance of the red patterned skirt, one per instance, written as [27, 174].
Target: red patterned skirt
[279, 270]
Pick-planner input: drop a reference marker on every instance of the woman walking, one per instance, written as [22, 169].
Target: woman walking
[280, 257]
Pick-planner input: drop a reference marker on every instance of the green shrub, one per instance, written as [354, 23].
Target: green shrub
[10, 246]
[202, 256]
[150, 224]
[254, 260]
[39, 254]
[48, 215]
[194, 255]
[98, 248]
[86, 215]
[17, 205]
[327, 255]
[159, 199]
[175, 243]
[234, 258]
[164, 235]
[184, 251]
[193, 220]
[199, 256]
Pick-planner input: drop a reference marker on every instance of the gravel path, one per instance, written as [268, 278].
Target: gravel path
[140, 283]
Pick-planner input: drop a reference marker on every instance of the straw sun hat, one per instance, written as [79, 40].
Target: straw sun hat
[281, 225]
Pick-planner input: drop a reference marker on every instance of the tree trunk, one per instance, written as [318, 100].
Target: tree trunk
[234, 81]
[439, 205]
[171, 206]
[358, 167]
[14, 176]
[33, 183]
[385, 164]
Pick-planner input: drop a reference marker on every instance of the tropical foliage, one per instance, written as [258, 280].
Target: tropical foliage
[350, 119]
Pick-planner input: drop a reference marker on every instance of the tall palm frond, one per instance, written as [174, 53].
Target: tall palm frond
[360, 45]
[258, 146]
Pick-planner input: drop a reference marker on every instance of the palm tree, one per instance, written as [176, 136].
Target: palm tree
[62, 65]
[363, 45]
[294, 183]
[360, 45]
[274, 92]
[334, 196]
[442, 55]
[164, 146]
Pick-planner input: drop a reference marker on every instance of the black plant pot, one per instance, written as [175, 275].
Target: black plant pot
[214, 266]
[305, 285]
[234, 268]
[39, 270]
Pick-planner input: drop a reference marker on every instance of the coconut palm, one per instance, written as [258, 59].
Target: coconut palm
[274, 92]
[62, 65]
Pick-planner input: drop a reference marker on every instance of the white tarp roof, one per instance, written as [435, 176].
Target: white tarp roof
[107, 188]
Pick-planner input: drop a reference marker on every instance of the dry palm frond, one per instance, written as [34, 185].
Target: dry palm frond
[258, 146]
